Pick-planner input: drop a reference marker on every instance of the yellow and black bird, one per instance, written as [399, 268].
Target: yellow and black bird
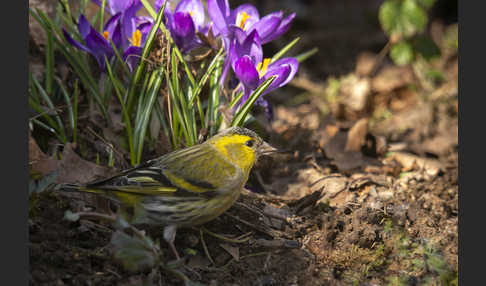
[186, 187]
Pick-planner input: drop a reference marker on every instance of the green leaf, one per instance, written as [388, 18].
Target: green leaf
[137, 75]
[305, 55]
[426, 47]
[144, 119]
[284, 50]
[414, 18]
[134, 253]
[427, 3]
[401, 53]
[241, 114]
[404, 18]
[126, 116]
[389, 15]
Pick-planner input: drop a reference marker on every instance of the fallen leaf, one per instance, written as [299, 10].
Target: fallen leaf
[335, 145]
[410, 162]
[357, 135]
[391, 77]
[74, 169]
[365, 63]
[349, 161]
[331, 186]
[198, 262]
[40, 163]
[233, 251]
[355, 92]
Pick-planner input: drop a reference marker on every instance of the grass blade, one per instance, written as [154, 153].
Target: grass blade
[241, 114]
[147, 111]
[206, 75]
[49, 62]
[75, 111]
[213, 101]
[145, 53]
[126, 117]
[50, 105]
[304, 56]
[68, 103]
[285, 49]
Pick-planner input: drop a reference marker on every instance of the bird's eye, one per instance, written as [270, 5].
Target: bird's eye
[250, 143]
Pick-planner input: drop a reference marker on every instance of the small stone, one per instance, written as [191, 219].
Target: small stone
[385, 195]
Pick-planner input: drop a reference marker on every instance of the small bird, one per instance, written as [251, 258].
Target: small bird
[186, 187]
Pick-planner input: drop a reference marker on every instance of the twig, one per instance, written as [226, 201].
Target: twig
[224, 238]
[380, 58]
[104, 141]
[267, 231]
[201, 232]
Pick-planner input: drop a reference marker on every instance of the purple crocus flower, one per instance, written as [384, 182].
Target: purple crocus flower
[246, 17]
[243, 44]
[252, 75]
[230, 24]
[123, 17]
[96, 44]
[131, 55]
[186, 20]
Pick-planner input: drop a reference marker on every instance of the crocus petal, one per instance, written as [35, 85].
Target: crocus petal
[158, 4]
[127, 22]
[226, 69]
[145, 30]
[282, 29]
[250, 10]
[83, 26]
[99, 47]
[246, 72]
[193, 7]
[282, 74]
[266, 106]
[285, 69]
[112, 23]
[116, 37]
[117, 6]
[253, 46]
[245, 45]
[219, 11]
[267, 25]
[131, 57]
[183, 25]
[112, 26]
[74, 42]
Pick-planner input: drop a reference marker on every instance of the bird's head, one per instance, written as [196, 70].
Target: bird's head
[241, 146]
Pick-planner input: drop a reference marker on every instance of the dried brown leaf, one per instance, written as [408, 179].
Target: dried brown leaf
[74, 169]
[233, 251]
[357, 135]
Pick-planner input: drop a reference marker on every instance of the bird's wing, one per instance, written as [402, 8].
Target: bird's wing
[187, 172]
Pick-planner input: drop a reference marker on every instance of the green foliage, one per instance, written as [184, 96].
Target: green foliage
[401, 53]
[402, 18]
[427, 3]
[241, 114]
[404, 21]
[134, 252]
[39, 185]
[426, 47]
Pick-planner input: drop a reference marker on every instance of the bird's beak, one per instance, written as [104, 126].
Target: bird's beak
[267, 149]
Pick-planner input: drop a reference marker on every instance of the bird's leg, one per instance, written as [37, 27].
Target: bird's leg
[169, 236]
